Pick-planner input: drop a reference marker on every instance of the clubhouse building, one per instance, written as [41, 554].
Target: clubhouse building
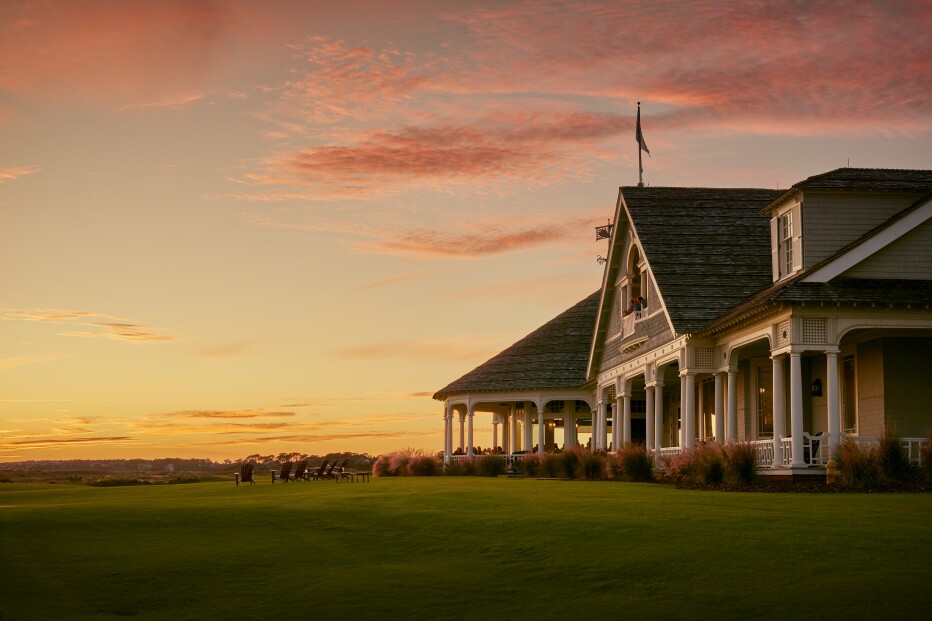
[782, 318]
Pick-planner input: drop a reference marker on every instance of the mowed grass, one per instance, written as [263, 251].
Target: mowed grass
[459, 547]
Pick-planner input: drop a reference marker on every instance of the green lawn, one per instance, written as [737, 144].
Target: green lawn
[445, 548]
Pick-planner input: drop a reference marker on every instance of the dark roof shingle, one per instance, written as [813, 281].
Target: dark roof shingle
[708, 248]
[552, 357]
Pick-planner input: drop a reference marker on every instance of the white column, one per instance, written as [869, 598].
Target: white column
[619, 406]
[528, 432]
[446, 435]
[719, 408]
[463, 432]
[470, 415]
[649, 422]
[541, 429]
[732, 430]
[506, 432]
[626, 420]
[494, 432]
[569, 428]
[598, 429]
[514, 430]
[658, 414]
[831, 398]
[779, 410]
[689, 412]
[796, 408]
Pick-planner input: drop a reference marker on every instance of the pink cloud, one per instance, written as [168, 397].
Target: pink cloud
[473, 244]
[15, 172]
[109, 51]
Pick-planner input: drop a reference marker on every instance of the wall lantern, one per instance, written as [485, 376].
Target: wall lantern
[816, 387]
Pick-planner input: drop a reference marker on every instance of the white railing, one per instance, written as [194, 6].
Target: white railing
[914, 446]
[764, 450]
[670, 451]
[510, 460]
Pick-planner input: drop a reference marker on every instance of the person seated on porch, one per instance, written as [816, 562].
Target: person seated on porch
[458, 451]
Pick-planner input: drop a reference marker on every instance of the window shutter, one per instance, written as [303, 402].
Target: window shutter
[774, 247]
[797, 237]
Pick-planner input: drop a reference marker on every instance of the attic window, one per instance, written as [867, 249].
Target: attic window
[786, 243]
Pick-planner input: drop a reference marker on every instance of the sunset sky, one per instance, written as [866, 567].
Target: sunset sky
[258, 227]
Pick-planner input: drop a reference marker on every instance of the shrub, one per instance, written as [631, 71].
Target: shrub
[551, 465]
[740, 463]
[530, 465]
[925, 455]
[591, 466]
[406, 462]
[893, 460]
[633, 463]
[424, 466]
[708, 466]
[677, 467]
[380, 467]
[857, 468]
[453, 469]
[490, 465]
[569, 461]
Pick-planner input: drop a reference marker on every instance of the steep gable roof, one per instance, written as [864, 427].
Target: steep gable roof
[708, 248]
[552, 357]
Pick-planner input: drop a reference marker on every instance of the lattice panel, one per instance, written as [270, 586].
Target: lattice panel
[813, 330]
[705, 356]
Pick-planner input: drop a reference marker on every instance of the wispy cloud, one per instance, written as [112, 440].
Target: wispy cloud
[171, 103]
[487, 241]
[388, 282]
[52, 442]
[117, 329]
[232, 414]
[15, 172]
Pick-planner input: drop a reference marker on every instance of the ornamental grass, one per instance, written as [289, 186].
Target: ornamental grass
[632, 463]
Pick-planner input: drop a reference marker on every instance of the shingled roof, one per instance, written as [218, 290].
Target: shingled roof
[708, 248]
[552, 357]
[863, 179]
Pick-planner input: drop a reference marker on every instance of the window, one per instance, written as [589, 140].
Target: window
[786, 243]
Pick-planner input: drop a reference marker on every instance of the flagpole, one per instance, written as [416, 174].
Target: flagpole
[640, 165]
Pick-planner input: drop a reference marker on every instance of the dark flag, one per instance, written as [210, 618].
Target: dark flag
[638, 135]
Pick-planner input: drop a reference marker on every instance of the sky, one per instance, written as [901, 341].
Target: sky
[230, 228]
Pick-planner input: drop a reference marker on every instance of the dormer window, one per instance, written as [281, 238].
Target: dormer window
[786, 243]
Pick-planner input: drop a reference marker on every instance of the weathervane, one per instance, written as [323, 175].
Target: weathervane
[603, 232]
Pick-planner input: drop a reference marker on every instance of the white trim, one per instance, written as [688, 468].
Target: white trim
[872, 245]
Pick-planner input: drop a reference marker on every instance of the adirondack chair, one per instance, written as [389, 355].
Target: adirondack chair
[245, 474]
[320, 471]
[284, 474]
[328, 474]
[300, 471]
[342, 473]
